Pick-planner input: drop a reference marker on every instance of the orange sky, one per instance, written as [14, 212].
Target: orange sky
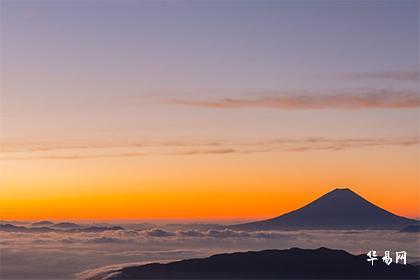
[212, 110]
[227, 186]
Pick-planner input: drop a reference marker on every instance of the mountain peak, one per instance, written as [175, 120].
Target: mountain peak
[339, 195]
[341, 208]
[342, 189]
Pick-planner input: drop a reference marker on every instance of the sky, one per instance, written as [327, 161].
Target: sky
[206, 110]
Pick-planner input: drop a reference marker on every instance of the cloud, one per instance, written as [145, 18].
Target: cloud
[358, 99]
[105, 239]
[273, 145]
[159, 233]
[125, 155]
[412, 75]
[225, 148]
[61, 255]
[268, 234]
[345, 144]
[204, 152]
[27, 146]
[226, 233]
[191, 233]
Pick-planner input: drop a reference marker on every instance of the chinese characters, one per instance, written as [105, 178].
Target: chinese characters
[400, 257]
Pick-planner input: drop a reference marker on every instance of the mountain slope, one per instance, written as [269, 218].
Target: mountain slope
[338, 209]
[295, 263]
[411, 228]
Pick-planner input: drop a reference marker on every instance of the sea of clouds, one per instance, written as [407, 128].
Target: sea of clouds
[73, 254]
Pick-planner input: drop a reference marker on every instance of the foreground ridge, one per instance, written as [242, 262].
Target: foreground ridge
[294, 263]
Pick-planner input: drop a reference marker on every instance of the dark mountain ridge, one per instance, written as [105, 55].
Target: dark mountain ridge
[42, 224]
[338, 209]
[322, 263]
[65, 225]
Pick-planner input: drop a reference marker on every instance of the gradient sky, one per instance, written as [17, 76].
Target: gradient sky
[206, 110]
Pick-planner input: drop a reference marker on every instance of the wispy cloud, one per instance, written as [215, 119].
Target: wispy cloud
[212, 148]
[344, 144]
[124, 155]
[412, 75]
[358, 99]
[20, 146]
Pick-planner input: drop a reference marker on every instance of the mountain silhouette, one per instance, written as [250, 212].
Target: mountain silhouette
[322, 263]
[42, 224]
[38, 229]
[96, 229]
[339, 209]
[411, 228]
[13, 228]
[65, 225]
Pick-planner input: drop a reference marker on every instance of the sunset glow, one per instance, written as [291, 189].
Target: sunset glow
[218, 111]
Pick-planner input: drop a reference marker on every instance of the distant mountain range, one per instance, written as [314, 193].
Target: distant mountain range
[322, 263]
[42, 224]
[338, 209]
[54, 228]
[65, 225]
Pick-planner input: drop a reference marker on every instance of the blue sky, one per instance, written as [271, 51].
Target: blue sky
[200, 46]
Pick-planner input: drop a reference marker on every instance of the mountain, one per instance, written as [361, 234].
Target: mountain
[96, 229]
[322, 263]
[411, 228]
[13, 228]
[42, 224]
[14, 222]
[338, 209]
[65, 225]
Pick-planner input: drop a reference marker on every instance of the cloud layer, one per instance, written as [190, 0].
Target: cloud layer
[62, 255]
[358, 99]
[69, 151]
